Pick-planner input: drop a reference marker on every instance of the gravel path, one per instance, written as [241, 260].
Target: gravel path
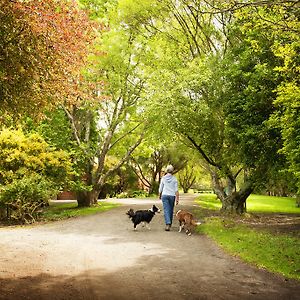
[101, 257]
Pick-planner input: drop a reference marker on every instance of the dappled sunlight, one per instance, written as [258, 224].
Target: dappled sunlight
[35, 251]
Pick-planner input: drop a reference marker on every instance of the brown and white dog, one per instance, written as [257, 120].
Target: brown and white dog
[187, 221]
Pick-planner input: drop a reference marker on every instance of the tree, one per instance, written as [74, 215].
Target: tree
[187, 178]
[148, 163]
[214, 86]
[43, 47]
[283, 28]
[107, 123]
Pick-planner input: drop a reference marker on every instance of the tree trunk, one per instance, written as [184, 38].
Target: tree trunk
[153, 189]
[218, 187]
[236, 202]
[233, 202]
[87, 198]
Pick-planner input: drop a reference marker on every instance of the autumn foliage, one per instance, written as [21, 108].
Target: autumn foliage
[43, 47]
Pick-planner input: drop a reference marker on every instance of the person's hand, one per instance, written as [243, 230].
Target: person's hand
[177, 201]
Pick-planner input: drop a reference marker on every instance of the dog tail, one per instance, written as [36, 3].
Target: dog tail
[178, 212]
[130, 213]
[195, 223]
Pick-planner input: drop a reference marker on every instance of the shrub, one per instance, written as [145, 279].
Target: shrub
[22, 155]
[24, 197]
[133, 194]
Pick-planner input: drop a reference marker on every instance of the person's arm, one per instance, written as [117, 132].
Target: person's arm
[161, 185]
[176, 193]
[177, 197]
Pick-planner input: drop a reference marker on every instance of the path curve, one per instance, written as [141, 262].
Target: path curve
[101, 257]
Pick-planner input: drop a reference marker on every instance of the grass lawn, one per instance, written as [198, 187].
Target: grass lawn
[279, 253]
[60, 211]
[255, 203]
[276, 253]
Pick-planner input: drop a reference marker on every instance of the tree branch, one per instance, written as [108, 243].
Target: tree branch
[239, 5]
[102, 179]
[140, 174]
[198, 147]
[72, 121]
[124, 135]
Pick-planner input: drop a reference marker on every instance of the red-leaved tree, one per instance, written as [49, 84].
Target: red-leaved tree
[43, 47]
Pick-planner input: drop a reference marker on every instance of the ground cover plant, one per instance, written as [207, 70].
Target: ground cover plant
[267, 236]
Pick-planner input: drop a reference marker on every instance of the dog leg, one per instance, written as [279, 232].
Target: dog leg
[148, 226]
[181, 225]
[188, 232]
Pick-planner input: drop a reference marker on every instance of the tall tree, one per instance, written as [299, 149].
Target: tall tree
[108, 121]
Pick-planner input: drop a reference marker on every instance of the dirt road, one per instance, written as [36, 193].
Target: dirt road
[101, 257]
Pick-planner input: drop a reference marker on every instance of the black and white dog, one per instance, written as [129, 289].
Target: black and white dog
[142, 216]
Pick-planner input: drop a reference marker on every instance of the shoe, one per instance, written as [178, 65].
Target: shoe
[167, 227]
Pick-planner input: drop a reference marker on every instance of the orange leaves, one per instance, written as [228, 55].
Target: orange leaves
[44, 48]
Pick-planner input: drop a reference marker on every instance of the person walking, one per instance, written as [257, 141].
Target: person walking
[168, 193]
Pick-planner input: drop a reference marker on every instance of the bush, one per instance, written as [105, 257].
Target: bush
[24, 197]
[133, 194]
[24, 154]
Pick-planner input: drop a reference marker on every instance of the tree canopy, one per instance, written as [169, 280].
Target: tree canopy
[220, 77]
[43, 47]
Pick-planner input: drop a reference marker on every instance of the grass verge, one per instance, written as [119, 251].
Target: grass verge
[58, 211]
[255, 203]
[276, 253]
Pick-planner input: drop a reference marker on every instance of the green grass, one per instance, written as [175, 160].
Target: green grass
[60, 211]
[255, 203]
[277, 253]
[209, 201]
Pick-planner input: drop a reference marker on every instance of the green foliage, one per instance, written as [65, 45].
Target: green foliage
[24, 197]
[22, 155]
[223, 98]
[277, 253]
[287, 119]
[272, 33]
[187, 178]
[210, 79]
[120, 181]
[98, 9]
[149, 160]
[56, 131]
[30, 172]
